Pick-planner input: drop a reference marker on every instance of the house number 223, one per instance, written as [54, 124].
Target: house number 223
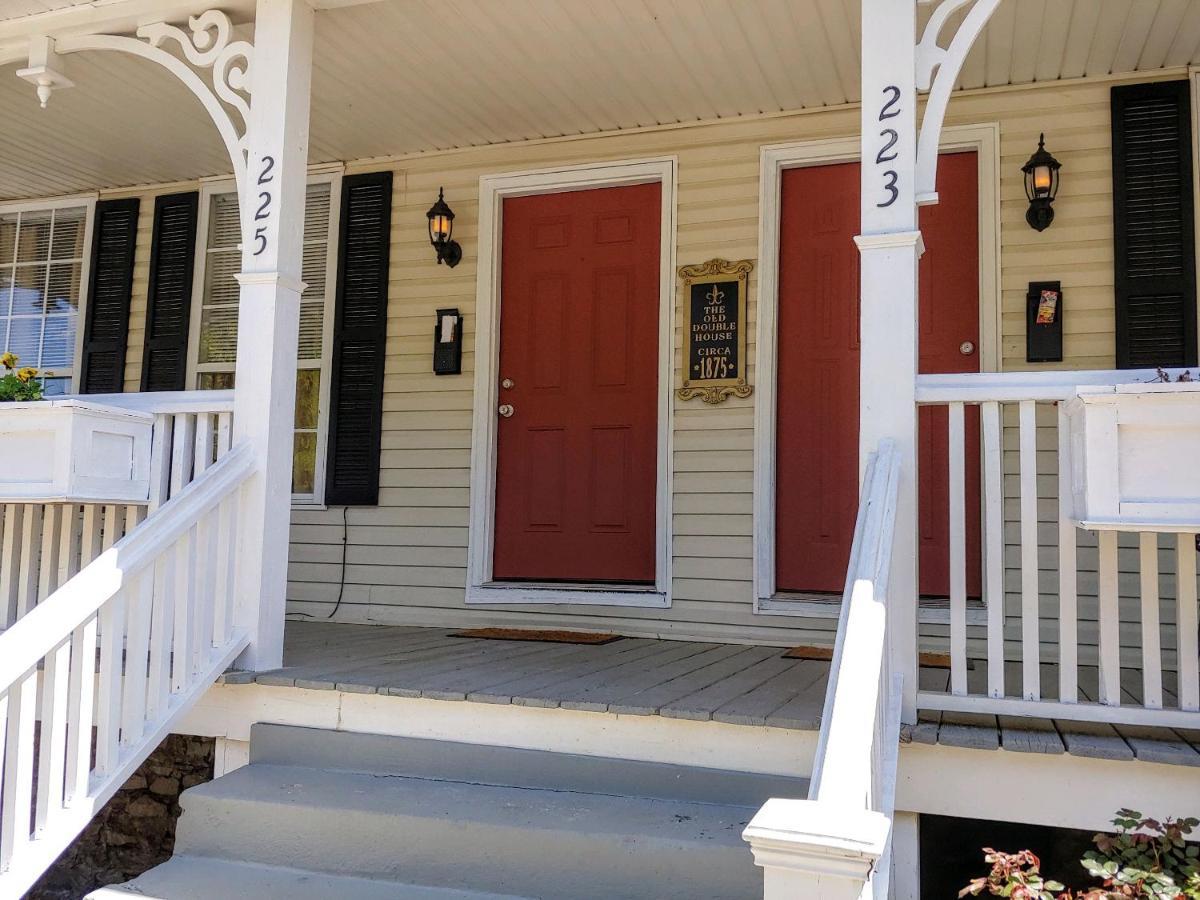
[265, 202]
[890, 137]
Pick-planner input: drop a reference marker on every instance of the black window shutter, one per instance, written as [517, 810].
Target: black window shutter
[1154, 232]
[169, 298]
[359, 336]
[110, 287]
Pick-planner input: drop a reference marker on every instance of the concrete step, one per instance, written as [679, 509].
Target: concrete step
[532, 842]
[332, 814]
[481, 764]
[200, 878]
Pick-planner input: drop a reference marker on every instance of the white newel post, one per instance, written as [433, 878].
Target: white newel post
[890, 246]
[272, 209]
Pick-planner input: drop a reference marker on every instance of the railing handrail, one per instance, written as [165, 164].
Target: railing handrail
[842, 769]
[1007, 387]
[34, 635]
[165, 402]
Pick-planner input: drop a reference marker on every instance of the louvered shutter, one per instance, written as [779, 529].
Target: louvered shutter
[359, 335]
[1154, 241]
[169, 298]
[110, 287]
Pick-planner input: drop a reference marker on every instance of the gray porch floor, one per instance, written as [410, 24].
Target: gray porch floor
[737, 684]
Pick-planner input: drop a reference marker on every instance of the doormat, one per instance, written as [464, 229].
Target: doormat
[825, 654]
[535, 634]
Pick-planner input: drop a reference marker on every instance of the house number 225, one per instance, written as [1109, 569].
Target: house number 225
[890, 137]
[265, 202]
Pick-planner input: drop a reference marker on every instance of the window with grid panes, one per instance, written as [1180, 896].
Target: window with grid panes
[215, 350]
[41, 267]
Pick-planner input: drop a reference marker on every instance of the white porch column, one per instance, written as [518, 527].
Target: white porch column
[816, 851]
[890, 247]
[272, 209]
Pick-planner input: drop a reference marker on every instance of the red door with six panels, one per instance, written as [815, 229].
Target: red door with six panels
[576, 466]
[818, 372]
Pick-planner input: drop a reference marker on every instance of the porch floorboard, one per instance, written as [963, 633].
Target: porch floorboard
[738, 684]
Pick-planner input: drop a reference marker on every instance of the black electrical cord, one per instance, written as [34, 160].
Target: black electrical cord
[342, 576]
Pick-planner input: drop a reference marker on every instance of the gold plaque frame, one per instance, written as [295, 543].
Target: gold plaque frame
[715, 271]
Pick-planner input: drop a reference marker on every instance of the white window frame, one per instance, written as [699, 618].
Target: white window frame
[208, 190]
[88, 201]
[984, 140]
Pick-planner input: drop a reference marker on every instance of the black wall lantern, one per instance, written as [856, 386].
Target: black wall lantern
[1041, 186]
[441, 228]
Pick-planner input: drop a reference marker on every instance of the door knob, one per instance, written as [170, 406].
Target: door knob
[966, 348]
[506, 410]
[507, 384]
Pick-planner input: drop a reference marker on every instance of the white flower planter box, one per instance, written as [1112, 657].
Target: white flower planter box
[73, 451]
[1135, 457]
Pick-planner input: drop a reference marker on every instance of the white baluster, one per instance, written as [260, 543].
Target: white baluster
[137, 644]
[1110, 648]
[52, 740]
[68, 544]
[958, 550]
[160, 461]
[993, 527]
[10, 555]
[161, 635]
[205, 432]
[1187, 622]
[31, 535]
[182, 451]
[16, 805]
[224, 433]
[1068, 615]
[1151, 650]
[82, 710]
[1031, 680]
[108, 718]
[48, 567]
[181, 620]
[89, 539]
[110, 527]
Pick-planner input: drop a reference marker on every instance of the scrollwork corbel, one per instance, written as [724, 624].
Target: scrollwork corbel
[206, 44]
[937, 71]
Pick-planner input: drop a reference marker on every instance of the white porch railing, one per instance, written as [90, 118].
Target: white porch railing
[42, 546]
[1079, 625]
[837, 843]
[94, 676]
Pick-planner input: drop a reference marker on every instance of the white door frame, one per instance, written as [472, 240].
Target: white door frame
[984, 139]
[492, 191]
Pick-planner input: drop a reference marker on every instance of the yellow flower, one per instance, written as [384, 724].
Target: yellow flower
[9, 360]
[27, 373]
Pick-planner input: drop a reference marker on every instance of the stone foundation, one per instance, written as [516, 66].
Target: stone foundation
[136, 829]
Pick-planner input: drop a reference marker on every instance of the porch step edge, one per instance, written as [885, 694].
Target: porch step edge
[359, 752]
[201, 878]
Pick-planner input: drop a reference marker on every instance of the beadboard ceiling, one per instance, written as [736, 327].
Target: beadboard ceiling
[401, 76]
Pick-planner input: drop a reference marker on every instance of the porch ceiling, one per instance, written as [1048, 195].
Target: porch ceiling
[402, 76]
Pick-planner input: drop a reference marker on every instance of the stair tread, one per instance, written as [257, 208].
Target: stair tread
[202, 878]
[513, 766]
[673, 821]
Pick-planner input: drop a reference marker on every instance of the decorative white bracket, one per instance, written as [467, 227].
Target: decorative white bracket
[45, 69]
[948, 63]
[208, 46]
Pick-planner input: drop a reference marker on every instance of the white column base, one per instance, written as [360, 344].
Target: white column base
[815, 851]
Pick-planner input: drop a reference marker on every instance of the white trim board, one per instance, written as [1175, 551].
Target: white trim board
[984, 140]
[481, 589]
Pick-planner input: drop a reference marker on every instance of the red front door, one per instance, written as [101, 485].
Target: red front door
[576, 466]
[818, 372]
